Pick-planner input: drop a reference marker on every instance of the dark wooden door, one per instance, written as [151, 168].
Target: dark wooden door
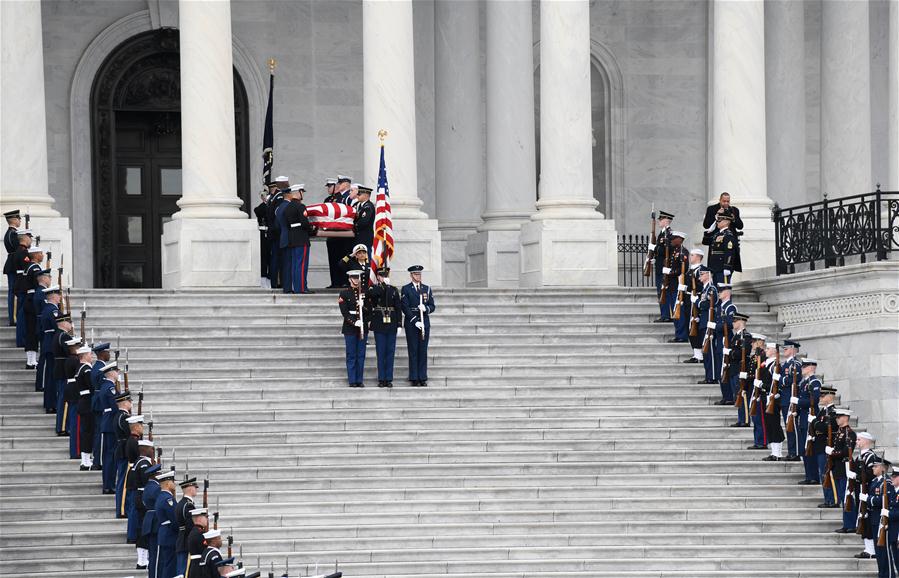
[147, 187]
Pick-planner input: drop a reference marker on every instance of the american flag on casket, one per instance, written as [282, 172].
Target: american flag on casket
[331, 216]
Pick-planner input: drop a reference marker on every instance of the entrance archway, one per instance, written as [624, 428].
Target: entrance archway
[136, 152]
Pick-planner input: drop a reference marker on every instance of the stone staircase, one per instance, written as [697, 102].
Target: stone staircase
[560, 436]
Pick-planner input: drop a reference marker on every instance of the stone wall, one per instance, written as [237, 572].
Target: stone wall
[848, 319]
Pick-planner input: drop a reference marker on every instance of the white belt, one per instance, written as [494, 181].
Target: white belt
[49, 330]
[107, 409]
[263, 228]
[84, 392]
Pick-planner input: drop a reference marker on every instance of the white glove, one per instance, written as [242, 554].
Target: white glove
[682, 288]
[851, 475]
[421, 307]
[808, 438]
[810, 418]
[727, 272]
[863, 497]
[725, 350]
[711, 325]
[828, 450]
[776, 396]
[794, 400]
[775, 376]
[666, 270]
[419, 325]
[694, 298]
[757, 383]
[743, 375]
[358, 323]
[651, 247]
[884, 512]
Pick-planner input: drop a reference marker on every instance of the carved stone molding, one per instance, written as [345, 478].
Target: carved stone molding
[852, 307]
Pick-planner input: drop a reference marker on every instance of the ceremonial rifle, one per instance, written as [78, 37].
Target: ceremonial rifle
[884, 520]
[215, 515]
[828, 469]
[206, 491]
[791, 413]
[28, 218]
[49, 261]
[126, 371]
[694, 309]
[68, 301]
[650, 251]
[861, 521]
[118, 342]
[421, 314]
[159, 456]
[83, 319]
[62, 259]
[775, 383]
[140, 401]
[360, 301]
[231, 543]
[850, 484]
[681, 288]
[756, 385]
[710, 326]
[666, 277]
[742, 398]
[725, 354]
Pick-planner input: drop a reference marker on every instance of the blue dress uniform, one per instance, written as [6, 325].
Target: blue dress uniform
[149, 524]
[864, 471]
[679, 264]
[283, 252]
[844, 440]
[753, 387]
[740, 355]
[808, 390]
[414, 299]
[725, 315]
[168, 533]
[85, 414]
[32, 272]
[662, 241]
[106, 403]
[886, 555]
[184, 524]
[38, 300]
[61, 343]
[355, 338]
[296, 231]
[123, 420]
[10, 243]
[20, 260]
[364, 223]
[708, 299]
[694, 285]
[274, 235]
[722, 248]
[44, 378]
[818, 428]
[791, 370]
[96, 378]
[385, 320]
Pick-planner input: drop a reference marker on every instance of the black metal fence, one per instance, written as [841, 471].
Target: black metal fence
[829, 231]
[631, 257]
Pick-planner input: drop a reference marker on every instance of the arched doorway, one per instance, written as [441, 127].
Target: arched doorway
[136, 152]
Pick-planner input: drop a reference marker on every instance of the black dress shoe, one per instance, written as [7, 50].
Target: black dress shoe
[662, 320]
[413, 383]
[844, 530]
[360, 384]
[129, 541]
[756, 447]
[382, 384]
[676, 340]
[723, 402]
[139, 567]
[96, 468]
[30, 366]
[422, 384]
[792, 459]
[107, 492]
[691, 360]
[84, 468]
[389, 384]
[771, 459]
[863, 556]
[827, 506]
[308, 292]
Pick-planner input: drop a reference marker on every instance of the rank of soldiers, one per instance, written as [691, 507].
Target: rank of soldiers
[775, 390]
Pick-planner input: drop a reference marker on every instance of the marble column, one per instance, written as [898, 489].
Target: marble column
[388, 81]
[845, 98]
[493, 252]
[460, 161]
[893, 161]
[738, 163]
[785, 98]
[567, 241]
[210, 242]
[24, 177]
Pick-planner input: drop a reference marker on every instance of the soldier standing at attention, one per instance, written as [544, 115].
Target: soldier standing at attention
[677, 264]
[141, 472]
[168, 529]
[662, 243]
[364, 223]
[418, 304]
[184, 521]
[385, 320]
[694, 286]
[790, 369]
[738, 364]
[150, 525]
[356, 312]
[864, 473]
[722, 247]
[825, 419]
[11, 243]
[335, 248]
[844, 439]
[809, 393]
[357, 260]
[261, 212]
[298, 231]
[708, 303]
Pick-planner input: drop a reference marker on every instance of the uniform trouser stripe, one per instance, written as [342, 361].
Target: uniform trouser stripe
[65, 414]
[125, 489]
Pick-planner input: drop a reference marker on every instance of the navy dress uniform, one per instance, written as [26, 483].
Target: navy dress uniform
[143, 474]
[418, 304]
[29, 283]
[123, 421]
[808, 393]
[722, 247]
[774, 434]
[184, 524]
[265, 250]
[167, 526]
[818, 427]
[47, 322]
[364, 223]
[385, 320]
[18, 262]
[754, 386]
[106, 402]
[677, 265]
[10, 243]
[150, 524]
[297, 229]
[356, 311]
[660, 244]
[694, 286]
[886, 555]
[274, 236]
[357, 260]
[724, 314]
[738, 368]
[102, 353]
[211, 558]
[708, 302]
[85, 412]
[62, 341]
[844, 440]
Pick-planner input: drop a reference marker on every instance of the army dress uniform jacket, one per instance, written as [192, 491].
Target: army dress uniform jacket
[11, 240]
[735, 225]
[411, 297]
[825, 417]
[386, 308]
[722, 246]
[844, 441]
[875, 504]
[165, 515]
[349, 309]
[807, 391]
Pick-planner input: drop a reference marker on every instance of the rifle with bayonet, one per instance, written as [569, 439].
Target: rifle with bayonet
[83, 320]
[126, 370]
[828, 469]
[725, 353]
[775, 384]
[62, 259]
[206, 491]
[421, 314]
[851, 485]
[861, 521]
[756, 384]
[791, 413]
[884, 520]
[810, 438]
[681, 287]
[666, 277]
[694, 307]
[710, 326]
[231, 543]
[650, 250]
[360, 302]
[140, 401]
[68, 300]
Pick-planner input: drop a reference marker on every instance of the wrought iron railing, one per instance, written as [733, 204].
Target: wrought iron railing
[631, 256]
[828, 231]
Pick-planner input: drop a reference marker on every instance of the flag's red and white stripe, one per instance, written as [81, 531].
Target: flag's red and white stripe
[331, 216]
[382, 248]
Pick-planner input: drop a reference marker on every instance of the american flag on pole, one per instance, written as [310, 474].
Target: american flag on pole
[382, 248]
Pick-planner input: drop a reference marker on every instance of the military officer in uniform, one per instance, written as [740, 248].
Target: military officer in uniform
[862, 473]
[357, 260]
[47, 326]
[754, 387]
[790, 370]
[774, 434]
[184, 521]
[102, 355]
[722, 245]
[195, 543]
[694, 286]
[85, 421]
[364, 223]
[738, 365]
[809, 393]
[150, 526]
[167, 525]
[356, 311]
[11, 243]
[141, 472]
[334, 244]
[661, 246]
[724, 316]
[33, 271]
[385, 320]
[736, 225]
[418, 304]
[886, 554]
[677, 265]
[276, 198]
[107, 403]
[825, 419]
[265, 249]
[844, 440]
[708, 302]
[297, 230]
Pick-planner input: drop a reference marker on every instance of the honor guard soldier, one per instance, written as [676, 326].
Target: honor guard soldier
[211, 556]
[357, 260]
[102, 355]
[47, 326]
[677, 266]
[844, 440]
[809, 394]
[38, 300]
[694, 286]
[385, 320]
[364, 223]
[62, 343]
[754, 388]
[418, 304]
[662, 248]
[10, 243]
[770, 376]
[297, 230]
[107, 403]
[127, 452]
[356, 312]
[167, 529]
[85, 415]
[29, 285]
[708, 304]
[184, 521]
[724, 316]
[738, 364]
[276, 198]
[722, 247]
[195, 542]
[128, 428]
[825, 420]
[150, 526]
[791, 371]
[17, 263]
[335, 245]
[882, 482]
[344, 195]
[862, 474]
[265, 249]
[141, 472]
